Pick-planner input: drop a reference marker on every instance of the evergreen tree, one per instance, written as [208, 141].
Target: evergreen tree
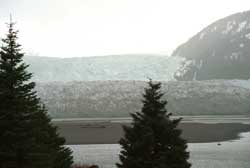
[27, 137]
[153, 141]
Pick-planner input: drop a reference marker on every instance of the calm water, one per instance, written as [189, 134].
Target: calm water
[204, 119]
[230, 154]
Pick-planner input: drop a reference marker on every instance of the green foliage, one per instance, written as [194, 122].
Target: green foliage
[153, 140]
[27, 137]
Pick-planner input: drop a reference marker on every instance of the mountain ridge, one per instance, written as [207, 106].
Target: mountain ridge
[219, 51]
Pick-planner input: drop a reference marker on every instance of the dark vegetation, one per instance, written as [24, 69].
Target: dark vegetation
[153, 140]
[27, 137]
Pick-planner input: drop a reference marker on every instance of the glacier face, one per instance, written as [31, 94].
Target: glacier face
[116, 67]
[112, 86]
[119, 98]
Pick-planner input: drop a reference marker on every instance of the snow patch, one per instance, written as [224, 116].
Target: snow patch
[202, 36]
[241, 83]
[229, 27]
[213, 54]
[200, 64]
[242, 25]
[232, 40]
[214, 29]
[247, 35]
[242, 45]
[195, 74]
[234, 56]
[248, 26]
[185, 64]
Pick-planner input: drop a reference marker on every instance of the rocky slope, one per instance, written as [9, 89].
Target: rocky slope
[219, 51]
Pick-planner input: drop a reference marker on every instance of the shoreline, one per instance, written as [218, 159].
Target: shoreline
[107, 132]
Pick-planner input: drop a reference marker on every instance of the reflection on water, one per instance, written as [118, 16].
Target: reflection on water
[230, 154]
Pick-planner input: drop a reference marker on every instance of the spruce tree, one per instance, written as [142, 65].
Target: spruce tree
[27, 137]
[153, 140]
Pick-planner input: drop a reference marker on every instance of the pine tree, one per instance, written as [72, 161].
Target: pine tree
[153, 140]
[27, 137]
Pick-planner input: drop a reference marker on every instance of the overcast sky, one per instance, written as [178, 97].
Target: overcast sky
[73, 28]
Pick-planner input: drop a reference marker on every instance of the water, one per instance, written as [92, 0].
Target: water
[230, 154]
[204, 119]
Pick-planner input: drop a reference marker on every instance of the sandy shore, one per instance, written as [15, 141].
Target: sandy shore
[106, 132]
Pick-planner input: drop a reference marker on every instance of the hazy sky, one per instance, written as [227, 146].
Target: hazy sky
[70, 28]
